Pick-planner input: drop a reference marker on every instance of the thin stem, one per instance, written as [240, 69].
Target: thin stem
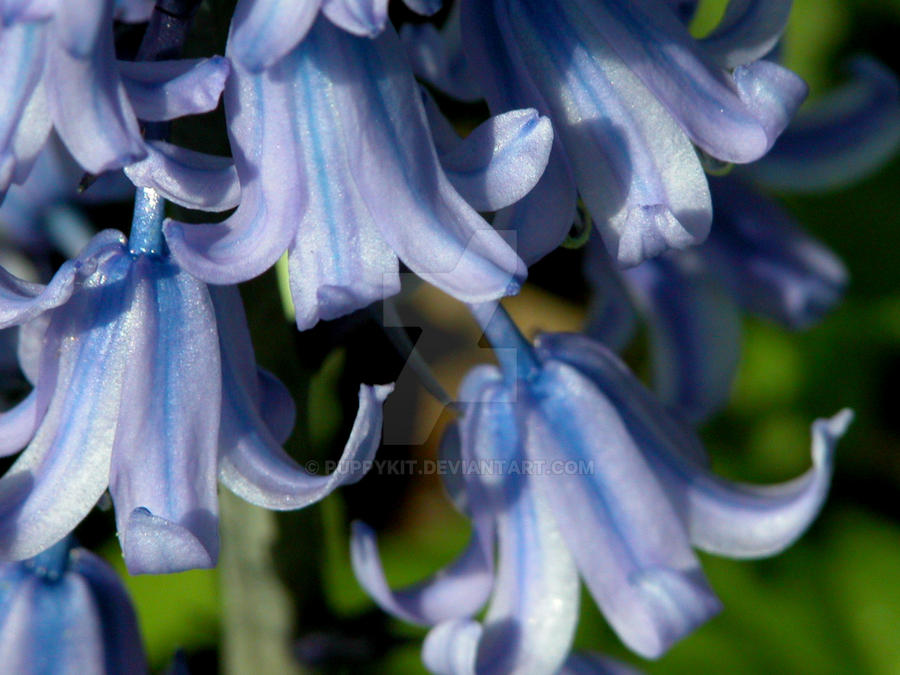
[146, 225]
[514, 352]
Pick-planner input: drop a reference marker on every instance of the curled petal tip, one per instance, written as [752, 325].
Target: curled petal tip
[826, 433]
[154, 545]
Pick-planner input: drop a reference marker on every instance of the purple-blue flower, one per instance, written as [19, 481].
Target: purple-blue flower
[58, 57]
[66, 611]
[757, 258]
[337, 167]
[630, 94]
[145, 382]
[577, 470]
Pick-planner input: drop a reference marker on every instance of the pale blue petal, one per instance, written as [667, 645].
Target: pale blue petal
[735, 121]
[121, 634]
[192, 179]
[163, 90]
[839, 138]
[52, 627]
[252, 463]
[627, 540]
[740, 520]
[366, 18]
[31, 343]
[18, 424]
[134, 11]
[163, 472]
[585, 663]
[695, 332]
[62, 473]
[21, 301]
[263, 31]
[530, 623]
[501, 160]
[747, 32]
[426, 222]
[457, 591]
[23, 119]
[260, 109]
[636, 170]
[24, 11]
[450, 647]
[82, 75]
[540, 221]
[339, 261]
[767, 262]
[611, 317]
[645, 418]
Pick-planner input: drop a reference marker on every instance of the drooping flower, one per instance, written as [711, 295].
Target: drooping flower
[630, 94]
[338, 168]
[66, 611]
[145, 382]
[756, 259]
[578, 470]
[57, 57]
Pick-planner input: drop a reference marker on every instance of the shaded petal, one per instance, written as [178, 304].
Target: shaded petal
[263, 31]
[121, 634]
[740, 520]
[31, 344]
[501, 160]
[735, 121]
[531, 620]
[64, 470]
[584, 663]
[450, 647]
[53, 628]
[164, 90]
[365, 18]
[747, 32]
[636, 171]
[83, 76]
[276, 406]
[163, 473]
[695, 332]
[611, 317]
[18, 424]
[458, 590]
[24, 124]
[542, 219]
[192, 179]
[134, 11]
[426, 222]
[260, 109]
[767, 262]
[424, 7]
[624, 534]
[839, 138]
[437, 57]
[252, 464]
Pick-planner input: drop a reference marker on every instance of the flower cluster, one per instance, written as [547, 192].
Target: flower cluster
[143, 378]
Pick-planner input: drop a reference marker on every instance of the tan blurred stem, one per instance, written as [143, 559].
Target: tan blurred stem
[257, 615]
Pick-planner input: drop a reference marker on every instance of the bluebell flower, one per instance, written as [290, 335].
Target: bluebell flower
[58, 57]
[66, 611]
[630, 94]
[577, 470]
[264, 31]
[338, 167]
[757, 259]
[145, 382]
